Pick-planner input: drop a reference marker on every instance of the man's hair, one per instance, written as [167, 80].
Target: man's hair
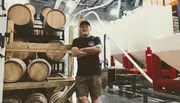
[84, 22]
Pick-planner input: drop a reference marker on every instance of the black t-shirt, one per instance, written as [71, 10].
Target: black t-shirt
[87, 65]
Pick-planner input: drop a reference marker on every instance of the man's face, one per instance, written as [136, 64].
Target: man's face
[85, 30]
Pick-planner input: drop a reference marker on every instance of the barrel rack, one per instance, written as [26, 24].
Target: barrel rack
[50, 82]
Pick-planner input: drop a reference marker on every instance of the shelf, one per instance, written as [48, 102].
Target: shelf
[38, 47]
[43, 84]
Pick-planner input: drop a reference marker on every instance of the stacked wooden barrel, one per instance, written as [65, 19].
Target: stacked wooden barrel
[38, 69]
[23, 17]
[23, 64]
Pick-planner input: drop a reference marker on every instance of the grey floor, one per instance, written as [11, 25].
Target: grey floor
[114, 97]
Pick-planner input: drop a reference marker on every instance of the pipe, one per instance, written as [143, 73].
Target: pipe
[88, 10]
[105, 51]
[132, 61]
[118, 8]
[136, 3]
[3, 6]
[93, 12]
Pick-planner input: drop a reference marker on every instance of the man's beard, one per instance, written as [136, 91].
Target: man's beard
[84, 34]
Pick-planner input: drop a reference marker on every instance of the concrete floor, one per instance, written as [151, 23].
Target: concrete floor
[114, 97]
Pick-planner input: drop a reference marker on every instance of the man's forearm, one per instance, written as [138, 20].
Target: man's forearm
[92, 50]
[86, 51]
[78, 53]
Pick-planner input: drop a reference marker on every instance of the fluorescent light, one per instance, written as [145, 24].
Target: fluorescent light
[114, 12]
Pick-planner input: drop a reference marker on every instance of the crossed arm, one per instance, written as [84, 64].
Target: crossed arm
[86, 51]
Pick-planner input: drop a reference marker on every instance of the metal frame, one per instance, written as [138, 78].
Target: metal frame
[156, 94]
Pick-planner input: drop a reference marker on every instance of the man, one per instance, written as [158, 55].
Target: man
[87, 48]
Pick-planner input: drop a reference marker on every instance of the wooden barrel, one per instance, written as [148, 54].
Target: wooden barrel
[44, 12]
[51, 56]
[32, 9]
[55, 56]
[39, 69]
[22, 55]
[23, 20]
[20, 15]
[14, 70]
[12, 99]
[36, 98]
[55, 19]
[56, 96]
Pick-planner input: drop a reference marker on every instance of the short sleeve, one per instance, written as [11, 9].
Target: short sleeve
[74, 44]
[97, 41]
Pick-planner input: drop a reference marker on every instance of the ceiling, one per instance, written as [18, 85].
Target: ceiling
[83, 4]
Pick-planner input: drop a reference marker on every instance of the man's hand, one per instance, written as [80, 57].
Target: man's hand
[74, 51]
